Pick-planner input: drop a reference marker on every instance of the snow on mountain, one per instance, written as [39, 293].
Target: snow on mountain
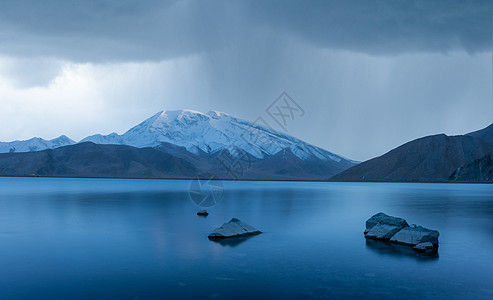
[112, 138]
[35, 144]
[212, 132]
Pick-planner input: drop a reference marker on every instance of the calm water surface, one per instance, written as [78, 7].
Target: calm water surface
[142, 239]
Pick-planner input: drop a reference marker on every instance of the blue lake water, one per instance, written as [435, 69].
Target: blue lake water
[142, 239]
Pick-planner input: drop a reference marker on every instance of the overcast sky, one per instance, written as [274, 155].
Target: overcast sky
[370, 75]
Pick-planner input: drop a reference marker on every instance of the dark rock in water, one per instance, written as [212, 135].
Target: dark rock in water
[396, 230]
[234, 228]
[382, 232]
[383, 227]
[203, 213]
[424, 247]
[414, 236]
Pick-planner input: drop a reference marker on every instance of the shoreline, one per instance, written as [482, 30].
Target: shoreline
[230, 179]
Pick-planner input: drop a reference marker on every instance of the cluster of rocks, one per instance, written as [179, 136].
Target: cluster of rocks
[396, 230]
[379, 227]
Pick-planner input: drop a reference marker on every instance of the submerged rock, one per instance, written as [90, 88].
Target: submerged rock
[393, 249]
[424, 247]
[203, 213]
[414, 236]
[383, 227]
[234, 228]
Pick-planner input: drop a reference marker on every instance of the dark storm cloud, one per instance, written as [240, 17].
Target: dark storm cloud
[113, 30]
[385, 26]
[428, 69]
[156, 30]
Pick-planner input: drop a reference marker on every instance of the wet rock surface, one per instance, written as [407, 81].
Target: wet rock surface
[396, 230]
[414, 236]
[234, 228]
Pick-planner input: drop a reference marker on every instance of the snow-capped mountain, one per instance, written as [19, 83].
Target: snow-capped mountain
[177, 144]
[212, 132]
[34, 144]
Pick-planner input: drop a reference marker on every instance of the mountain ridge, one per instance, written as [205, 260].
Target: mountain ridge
[217, 144]
[35, 144]
[165, 162]
[210, 132]
[431, 158]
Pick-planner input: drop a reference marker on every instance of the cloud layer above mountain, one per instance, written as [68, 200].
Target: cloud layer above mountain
[157, 30]
[370, 74]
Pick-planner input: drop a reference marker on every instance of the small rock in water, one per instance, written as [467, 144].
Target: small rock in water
[424, 247]
[383, 227]
[396, 230]
[234, 228]
[413, 236]
[203, 213]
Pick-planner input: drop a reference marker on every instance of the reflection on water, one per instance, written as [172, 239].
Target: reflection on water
[232, 242]
[385, 248]
[142, 239]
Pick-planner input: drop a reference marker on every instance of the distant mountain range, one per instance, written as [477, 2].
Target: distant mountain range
[191, 144]
[176, 144]
[34, 144]
[433, 158]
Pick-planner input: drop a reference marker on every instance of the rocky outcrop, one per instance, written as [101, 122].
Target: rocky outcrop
[234, 228]
[396, 230]
[480, 170]
[432, 158]
[486, 134]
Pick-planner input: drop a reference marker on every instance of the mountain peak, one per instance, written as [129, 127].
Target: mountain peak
[212, 140]
[63, 138]
[34, 144]
[174, 114]
[189, 114]
[217, 114]
[183, 116]
[213, 132]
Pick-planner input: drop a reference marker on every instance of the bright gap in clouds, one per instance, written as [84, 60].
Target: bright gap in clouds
[83, 99]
